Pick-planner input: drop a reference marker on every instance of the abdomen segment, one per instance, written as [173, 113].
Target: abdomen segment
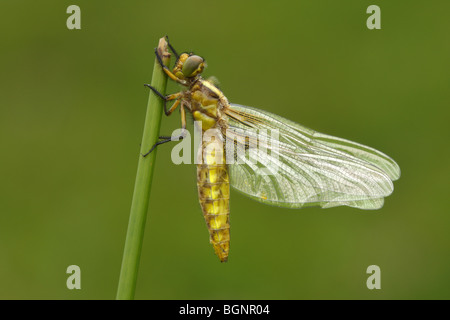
[214, 194]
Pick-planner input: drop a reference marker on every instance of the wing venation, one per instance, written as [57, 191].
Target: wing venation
[293, 166]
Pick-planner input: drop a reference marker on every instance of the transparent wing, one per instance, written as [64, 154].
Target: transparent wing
[300, 167]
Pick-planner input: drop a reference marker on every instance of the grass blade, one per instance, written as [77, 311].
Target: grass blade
[141, 195]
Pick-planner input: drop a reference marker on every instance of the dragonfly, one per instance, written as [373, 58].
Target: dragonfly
[301, 167]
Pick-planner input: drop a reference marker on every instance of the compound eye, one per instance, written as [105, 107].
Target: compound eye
[191, 65]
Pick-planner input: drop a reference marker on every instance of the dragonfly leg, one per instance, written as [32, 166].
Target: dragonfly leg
[172, 49]
[165, 139]
[167, 71]
[159, 94]
[172, 108]
[169, 97]
[157, 144]
[166, 98]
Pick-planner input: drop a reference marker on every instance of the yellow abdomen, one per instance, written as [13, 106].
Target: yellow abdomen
[214, 194]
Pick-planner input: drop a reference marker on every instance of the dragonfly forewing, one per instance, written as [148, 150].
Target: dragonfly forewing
[308, 168]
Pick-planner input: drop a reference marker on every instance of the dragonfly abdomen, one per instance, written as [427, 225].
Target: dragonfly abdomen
[214, 195]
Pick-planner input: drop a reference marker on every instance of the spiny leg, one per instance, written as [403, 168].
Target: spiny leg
[166, 139]
[169, 97]
[157, 144]
[167, 71]
[174, 96]
[171, 48]
[172, 108]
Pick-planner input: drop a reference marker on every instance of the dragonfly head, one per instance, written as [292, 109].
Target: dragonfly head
[188, 66]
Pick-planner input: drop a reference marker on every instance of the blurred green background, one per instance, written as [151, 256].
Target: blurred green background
[72, 107]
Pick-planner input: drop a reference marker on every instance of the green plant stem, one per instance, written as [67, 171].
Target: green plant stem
[141, 195]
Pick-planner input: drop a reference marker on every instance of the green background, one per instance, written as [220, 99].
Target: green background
[72, 107]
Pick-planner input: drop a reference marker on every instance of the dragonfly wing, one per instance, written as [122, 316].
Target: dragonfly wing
[371, 155]
[297, 131]
[298, 169]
